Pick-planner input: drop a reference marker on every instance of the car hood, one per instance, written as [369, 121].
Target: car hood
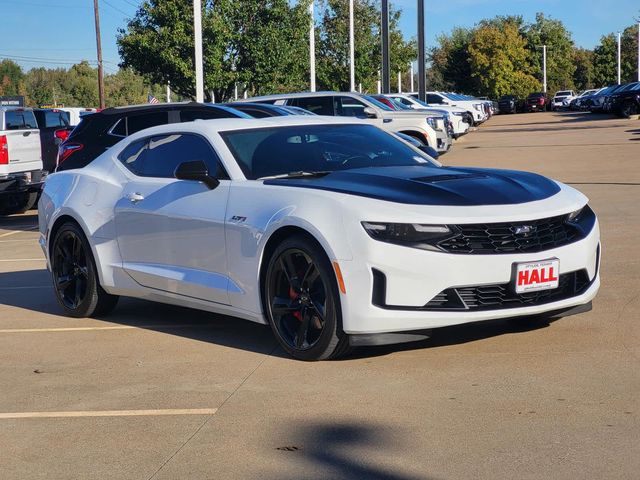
[431, 185]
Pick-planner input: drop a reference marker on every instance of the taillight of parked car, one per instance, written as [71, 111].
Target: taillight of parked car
[67, 149]
[4, 150]
[62, 134]
[541, 101]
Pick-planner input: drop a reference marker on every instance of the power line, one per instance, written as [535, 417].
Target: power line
[116, 8]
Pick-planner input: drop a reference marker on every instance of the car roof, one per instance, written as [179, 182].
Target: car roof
[283, 96]
[230, 124]
[155, 106]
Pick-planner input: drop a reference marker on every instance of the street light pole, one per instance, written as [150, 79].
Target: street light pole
[386, 77]
[96, 14]
[639, 51]
[312, 49]
[197, 34]
[544, 68]
[422, 59]
[352, 61]
[619, 38]
[411, 74]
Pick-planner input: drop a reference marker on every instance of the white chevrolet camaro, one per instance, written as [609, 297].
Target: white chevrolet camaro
[335, 233]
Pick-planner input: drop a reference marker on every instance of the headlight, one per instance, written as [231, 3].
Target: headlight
[415, 235]
[583, 218]
[431, 121]
[457, 114]
[477, 106]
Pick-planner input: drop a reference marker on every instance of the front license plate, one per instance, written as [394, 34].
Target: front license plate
[535, 276]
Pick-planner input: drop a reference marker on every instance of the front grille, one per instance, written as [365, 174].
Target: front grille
[492, 238]
[499, 296]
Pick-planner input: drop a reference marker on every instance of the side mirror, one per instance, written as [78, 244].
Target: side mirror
[432, 152]
[196, 170]
[370, 112]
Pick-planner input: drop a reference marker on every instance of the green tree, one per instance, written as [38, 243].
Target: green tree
[629, 54]
[259, 43]
[450, 66]
[333, 45]
[553, 34]
[499, 59]
[584, 75]
[605, 61]
[11, 78]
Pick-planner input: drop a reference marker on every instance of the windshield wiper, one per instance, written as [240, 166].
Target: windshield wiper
[299, 174]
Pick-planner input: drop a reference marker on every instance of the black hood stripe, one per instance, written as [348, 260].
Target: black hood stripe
[430, 185]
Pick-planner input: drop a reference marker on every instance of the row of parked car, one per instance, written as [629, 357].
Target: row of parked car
[35, 142]
[622, 100]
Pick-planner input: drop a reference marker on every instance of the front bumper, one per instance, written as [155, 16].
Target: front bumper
[414, 277]
[23, 182]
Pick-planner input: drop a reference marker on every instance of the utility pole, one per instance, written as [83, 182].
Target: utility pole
[399, 81]
[544, 68]
[312, 49]
[352, 61]
[96, 14]
[197, 34]
[168, 92]
[422, 55]
[619, 38]
[639, 51]
[386, 78]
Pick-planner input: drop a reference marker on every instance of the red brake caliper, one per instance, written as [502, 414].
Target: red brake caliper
[294, 296]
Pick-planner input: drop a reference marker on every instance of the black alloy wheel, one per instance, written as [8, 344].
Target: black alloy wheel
[302, 301]
[73, 270]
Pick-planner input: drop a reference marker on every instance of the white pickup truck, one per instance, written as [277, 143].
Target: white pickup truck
[21, 174]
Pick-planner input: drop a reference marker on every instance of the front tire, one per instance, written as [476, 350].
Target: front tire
[75, 279]
[302, 301]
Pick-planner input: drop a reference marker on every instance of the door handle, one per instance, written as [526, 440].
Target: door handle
[135, 197]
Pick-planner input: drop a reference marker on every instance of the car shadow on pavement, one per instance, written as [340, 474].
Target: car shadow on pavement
[24, 222]
[329, 449]
[31, 290]
[459, 334]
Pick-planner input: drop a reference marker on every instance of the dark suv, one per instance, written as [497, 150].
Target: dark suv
[509, 104]
[97, 132]
[626, 101]
[536, 102]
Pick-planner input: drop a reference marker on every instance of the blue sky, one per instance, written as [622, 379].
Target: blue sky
[61, 32]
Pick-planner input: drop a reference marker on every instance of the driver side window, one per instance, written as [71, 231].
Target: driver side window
[350, 107]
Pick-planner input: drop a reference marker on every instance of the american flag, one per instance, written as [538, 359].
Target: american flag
[151, 99]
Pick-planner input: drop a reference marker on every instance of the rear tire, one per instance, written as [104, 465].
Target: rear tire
[302, 301]
[17, 203]
[74, 274]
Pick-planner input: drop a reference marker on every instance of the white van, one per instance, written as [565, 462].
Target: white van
[21, 174]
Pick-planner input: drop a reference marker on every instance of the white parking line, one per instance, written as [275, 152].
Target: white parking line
[21, 259]
[18, 231]
[110, 413]
[86, 329]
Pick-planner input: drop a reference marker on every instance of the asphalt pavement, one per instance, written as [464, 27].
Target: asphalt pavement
[161, 392]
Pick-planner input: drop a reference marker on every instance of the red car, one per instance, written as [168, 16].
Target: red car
[536, 102]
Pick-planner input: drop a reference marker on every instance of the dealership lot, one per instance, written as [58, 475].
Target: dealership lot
[162, 392]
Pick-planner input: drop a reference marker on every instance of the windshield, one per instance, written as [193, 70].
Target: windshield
[264, 152]
[507, 97]
[377, 103]
[563, 94]
[399, 105]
